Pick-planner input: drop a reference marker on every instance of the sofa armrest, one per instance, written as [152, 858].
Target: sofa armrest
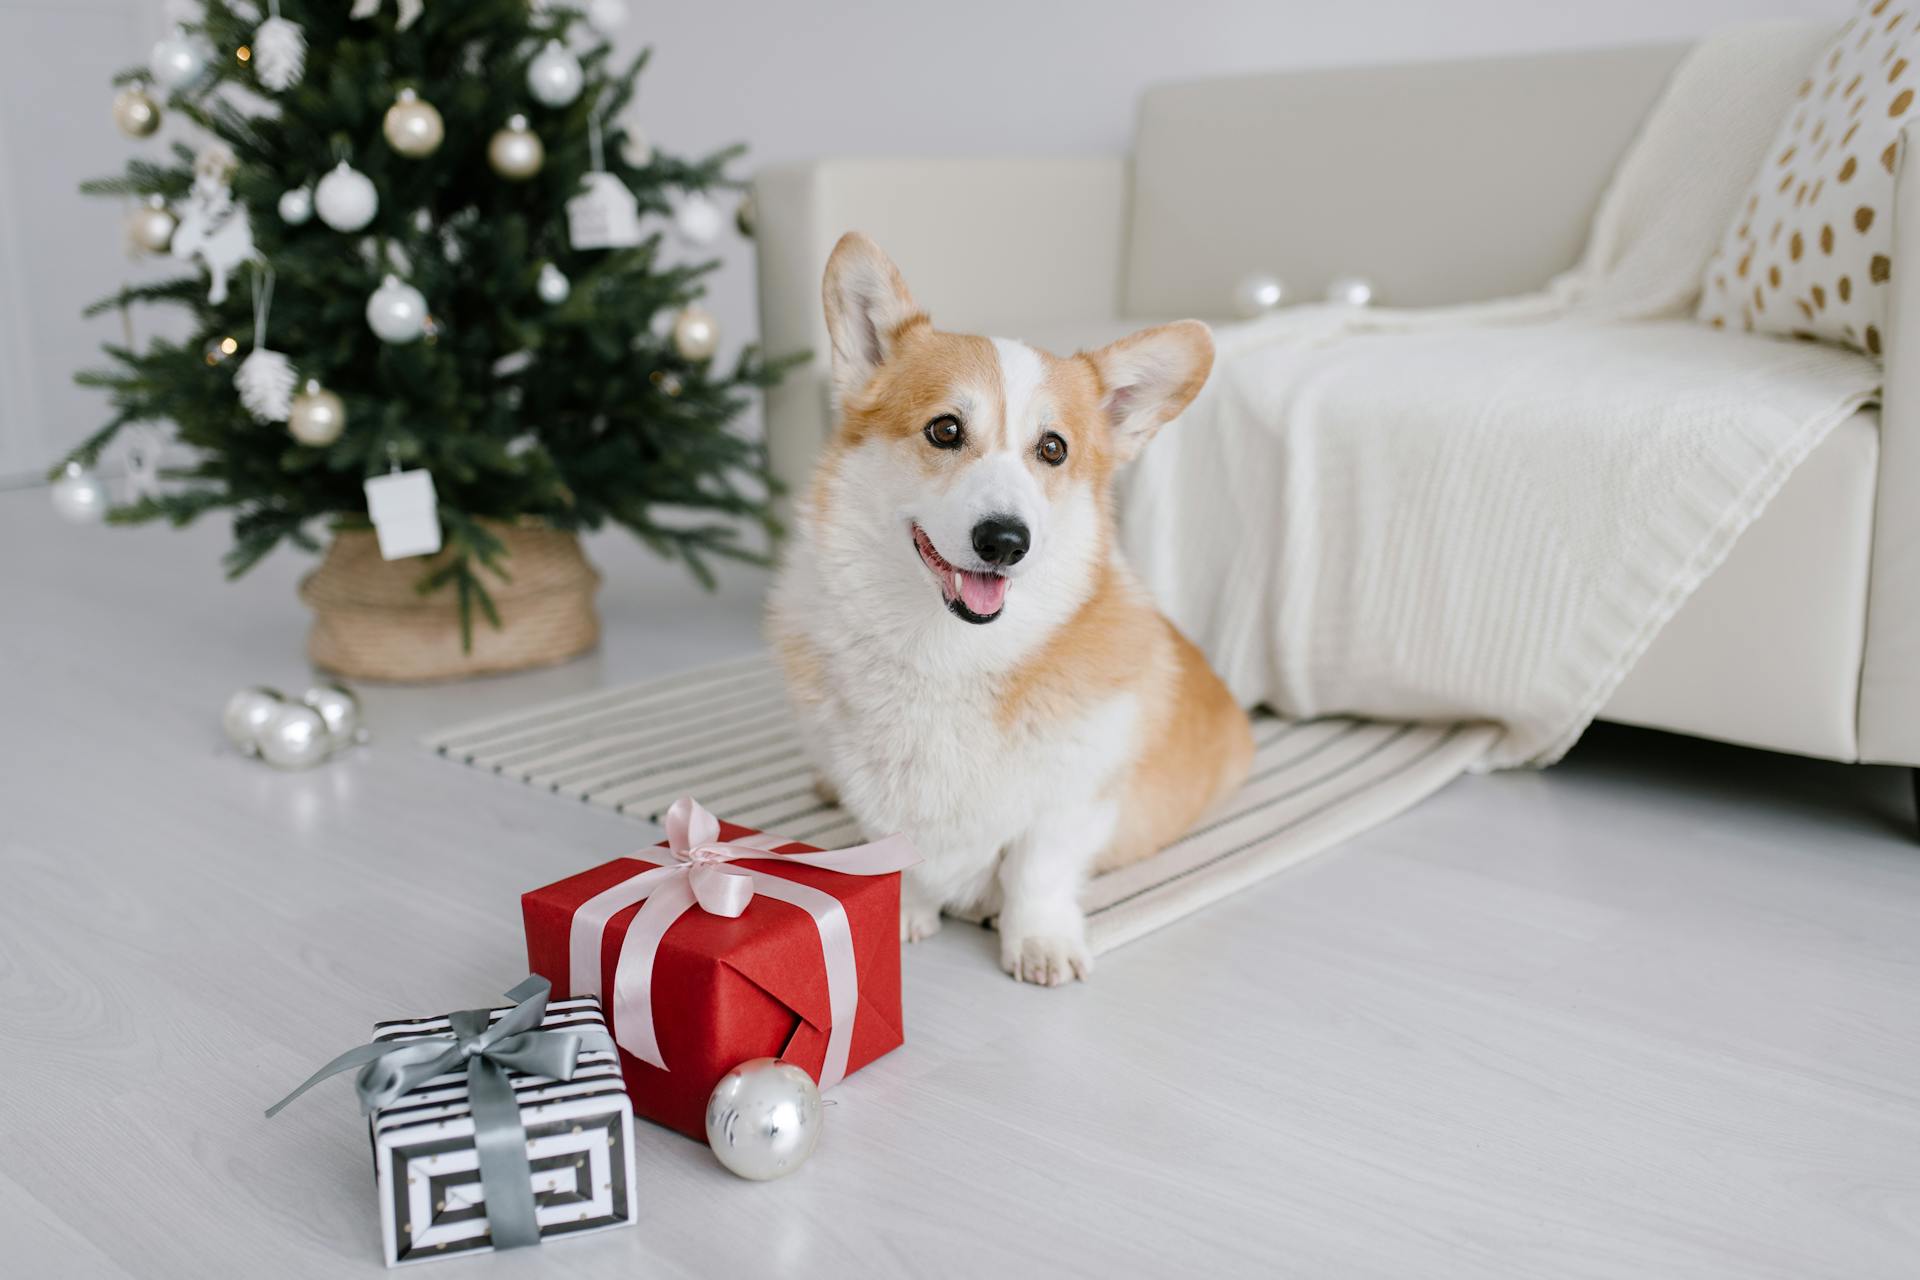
[1890, 668]
[987, 244]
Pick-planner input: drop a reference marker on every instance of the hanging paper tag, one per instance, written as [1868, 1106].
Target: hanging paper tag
[604, 216]
[405, 513]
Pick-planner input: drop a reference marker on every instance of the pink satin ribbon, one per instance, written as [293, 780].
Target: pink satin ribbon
[700, 875]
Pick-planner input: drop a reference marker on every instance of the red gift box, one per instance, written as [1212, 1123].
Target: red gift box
[726, 989]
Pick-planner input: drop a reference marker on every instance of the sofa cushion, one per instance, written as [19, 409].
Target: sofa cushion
[1811, 248]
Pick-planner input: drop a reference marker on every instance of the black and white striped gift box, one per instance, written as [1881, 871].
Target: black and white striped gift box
[579, 1142]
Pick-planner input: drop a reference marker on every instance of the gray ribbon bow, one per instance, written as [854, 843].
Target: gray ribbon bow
[392, 1068]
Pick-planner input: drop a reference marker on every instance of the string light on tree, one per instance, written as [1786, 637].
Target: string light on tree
[554, 287]
[219, 350]
[413, 126]
[135, 112]
[516, 152]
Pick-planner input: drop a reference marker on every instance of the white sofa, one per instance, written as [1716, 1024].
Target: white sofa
[1806, 640]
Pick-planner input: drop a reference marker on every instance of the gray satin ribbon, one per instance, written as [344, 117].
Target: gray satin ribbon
[393, 1068]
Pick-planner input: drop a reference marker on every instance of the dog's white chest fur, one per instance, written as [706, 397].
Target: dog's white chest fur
[925, 754]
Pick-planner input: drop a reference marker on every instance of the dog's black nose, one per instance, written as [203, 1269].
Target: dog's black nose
[1001, 540]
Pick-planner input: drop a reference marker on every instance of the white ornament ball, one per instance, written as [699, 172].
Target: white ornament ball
[340, 709]
[247, 715]
[177, 60]
[1258, 294]
[136, 113]
[295, 737]
[79, 495]
[516, 152]
[553, 285]
[636, 148]
[397, 311]
[317, 416]
[1350, 291]
[696, 334]
[151, 226]
[296, 206]
[554, 77]
[763, 1118]
[698, 219]
[413, 126]
[607, 16]
[346, 198]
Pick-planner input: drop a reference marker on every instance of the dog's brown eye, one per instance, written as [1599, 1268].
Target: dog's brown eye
[945, 432]
[1053, 450]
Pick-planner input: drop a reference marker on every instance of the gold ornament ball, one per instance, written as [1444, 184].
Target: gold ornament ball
[696, 334]
[137, 114]
[151, 227]
[413, 126]
[318, 416]
[516, 152]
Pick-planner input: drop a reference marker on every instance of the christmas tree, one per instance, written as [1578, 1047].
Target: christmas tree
[421, 241]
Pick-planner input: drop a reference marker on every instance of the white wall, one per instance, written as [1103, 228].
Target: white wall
[837, 77]
[795, 80]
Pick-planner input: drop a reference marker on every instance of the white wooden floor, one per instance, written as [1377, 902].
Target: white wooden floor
[1655, 1013]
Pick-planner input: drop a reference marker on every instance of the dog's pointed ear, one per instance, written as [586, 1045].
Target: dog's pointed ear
[867, 306]
[1147, 378]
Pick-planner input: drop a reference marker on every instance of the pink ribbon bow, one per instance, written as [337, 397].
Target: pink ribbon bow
[700, 874]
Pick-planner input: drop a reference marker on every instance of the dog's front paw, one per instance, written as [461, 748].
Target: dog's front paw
[1045, 959]
[917, 923]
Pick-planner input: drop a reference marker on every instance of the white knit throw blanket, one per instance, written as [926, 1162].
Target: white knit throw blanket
[1488, 512]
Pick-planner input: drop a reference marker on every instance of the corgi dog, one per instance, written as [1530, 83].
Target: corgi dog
[970, 659]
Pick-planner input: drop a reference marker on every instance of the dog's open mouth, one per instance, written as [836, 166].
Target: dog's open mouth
[977, 597]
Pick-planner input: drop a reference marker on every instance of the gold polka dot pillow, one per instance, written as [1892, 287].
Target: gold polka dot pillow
[1811, 247]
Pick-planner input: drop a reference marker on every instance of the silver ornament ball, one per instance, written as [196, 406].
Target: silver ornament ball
[1258, 294]
[136, 113]
[553, 285]
[516, 152]
[1350, 291]
[607, 16]
[763, 1118]
[698, 219]
[340, 709]
[636, 148]
[396, 311]
[246, 715]
[317, 416]
[554, 77]
[413, 126]
[294, 737]
[79, 495]
[151, 226]
[346, 198]
[296, 206]
[696, 334]
[177, 60]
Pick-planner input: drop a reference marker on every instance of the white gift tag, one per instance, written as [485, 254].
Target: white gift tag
[405, 513]
[604, 216]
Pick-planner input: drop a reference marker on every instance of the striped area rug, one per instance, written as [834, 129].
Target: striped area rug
[1314, 782]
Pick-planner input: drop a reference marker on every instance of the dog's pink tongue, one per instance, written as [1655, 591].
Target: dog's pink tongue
[983, 593]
